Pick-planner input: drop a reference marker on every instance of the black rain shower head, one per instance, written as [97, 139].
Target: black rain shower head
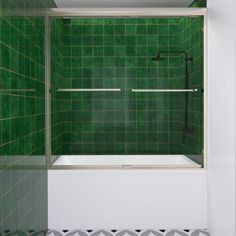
[158, 58]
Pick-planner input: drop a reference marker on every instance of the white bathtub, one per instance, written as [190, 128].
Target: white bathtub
[127, 198]
[122, 161]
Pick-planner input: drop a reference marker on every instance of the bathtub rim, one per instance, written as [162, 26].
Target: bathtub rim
[126, 167]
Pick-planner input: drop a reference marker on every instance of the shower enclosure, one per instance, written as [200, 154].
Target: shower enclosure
[125, 91]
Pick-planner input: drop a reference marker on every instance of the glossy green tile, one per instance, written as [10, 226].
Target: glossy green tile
[120, 29]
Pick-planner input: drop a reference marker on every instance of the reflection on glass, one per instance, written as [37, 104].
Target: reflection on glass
[23, 174]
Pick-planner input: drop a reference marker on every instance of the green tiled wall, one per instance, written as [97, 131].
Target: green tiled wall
[116, 53]
[60, 105]
[23, 174]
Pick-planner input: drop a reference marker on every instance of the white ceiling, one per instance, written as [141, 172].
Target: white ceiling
[123, 3]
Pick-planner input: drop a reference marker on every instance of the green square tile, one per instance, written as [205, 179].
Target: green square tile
[131, 51]
[120, 51]
[108, 51]
[98, 30]
[152, 29]
[108, 40]
[120, 40]
[98, 40]
[141, 29]
[130, 29]
[120, 29]
[109, 29]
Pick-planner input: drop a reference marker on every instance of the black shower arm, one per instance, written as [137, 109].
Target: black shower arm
[187, 58]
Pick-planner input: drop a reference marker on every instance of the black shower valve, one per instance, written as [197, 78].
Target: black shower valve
[190, 59]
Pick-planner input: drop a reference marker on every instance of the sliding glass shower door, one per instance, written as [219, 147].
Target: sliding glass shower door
[110, 98]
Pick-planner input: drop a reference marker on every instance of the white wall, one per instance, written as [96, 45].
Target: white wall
[221, 69]
[127, 199]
